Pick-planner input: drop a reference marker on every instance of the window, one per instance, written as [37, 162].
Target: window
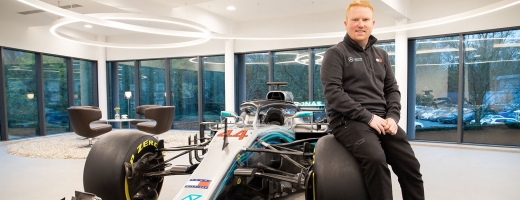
[257, 73]
[214, 88]
[125, 76]
[317, 89]
[184, 92]
[55, 94]
[437, 88]
[492, 86]
[152, 82]
[293, 67]
[21, 93]
[83, 73]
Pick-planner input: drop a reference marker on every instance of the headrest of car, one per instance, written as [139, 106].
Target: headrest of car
[281, 95]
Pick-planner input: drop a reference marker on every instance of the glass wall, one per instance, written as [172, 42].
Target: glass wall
[152, 82]
[293, 67]
[83, 73]
[55, 94]
[317, 89]
[184, 92]
[437, 88]
[125, 75]
[257, 75]
[213, 84]
[21, 93]
[492, 87]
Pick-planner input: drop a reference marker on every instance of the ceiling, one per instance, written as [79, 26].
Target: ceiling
[250, 16]
[246, 10]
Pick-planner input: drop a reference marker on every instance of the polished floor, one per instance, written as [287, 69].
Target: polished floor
[450, 172]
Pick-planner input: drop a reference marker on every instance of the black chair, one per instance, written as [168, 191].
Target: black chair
[274, 116]
[161, 119]
[84, 121]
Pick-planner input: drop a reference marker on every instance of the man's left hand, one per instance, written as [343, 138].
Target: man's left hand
[391, 126]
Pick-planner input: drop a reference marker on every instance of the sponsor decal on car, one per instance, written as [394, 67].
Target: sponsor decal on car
[310, 103]
[240, 134]
[198, 183]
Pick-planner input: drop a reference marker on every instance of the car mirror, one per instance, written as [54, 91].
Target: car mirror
[225, 114]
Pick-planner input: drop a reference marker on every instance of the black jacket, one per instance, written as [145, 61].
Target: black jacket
[359, 83]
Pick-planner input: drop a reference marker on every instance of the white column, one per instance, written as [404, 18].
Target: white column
[102, 78]
[401, 69]
[230, 75]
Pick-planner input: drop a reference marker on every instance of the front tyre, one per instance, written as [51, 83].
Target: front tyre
[116, 163]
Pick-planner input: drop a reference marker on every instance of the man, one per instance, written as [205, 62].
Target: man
[364, 102]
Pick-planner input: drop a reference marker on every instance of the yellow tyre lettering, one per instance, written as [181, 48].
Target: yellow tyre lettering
[239, 181]
[127, 193]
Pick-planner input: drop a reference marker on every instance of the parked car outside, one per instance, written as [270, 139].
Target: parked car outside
[418, 125]
[452, 118]
[498, 121]
[486, 119]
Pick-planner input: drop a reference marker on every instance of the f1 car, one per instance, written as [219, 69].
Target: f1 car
[274, 148]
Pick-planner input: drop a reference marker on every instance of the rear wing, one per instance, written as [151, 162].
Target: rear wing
[314, 106]
[318, 125]
[317, 107]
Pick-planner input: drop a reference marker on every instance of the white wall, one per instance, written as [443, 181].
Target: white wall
[500, 19]
[40, 39]
[211, 47]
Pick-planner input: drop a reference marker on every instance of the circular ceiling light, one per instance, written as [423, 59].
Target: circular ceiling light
[92, 19]
[424, 24]
[140, 17]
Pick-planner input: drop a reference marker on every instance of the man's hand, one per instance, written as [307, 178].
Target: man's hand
[391, 126]
[378, 124]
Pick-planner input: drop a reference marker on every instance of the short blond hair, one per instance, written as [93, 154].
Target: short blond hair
[360, 3]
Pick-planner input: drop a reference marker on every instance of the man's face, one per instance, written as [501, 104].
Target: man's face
[359, 24]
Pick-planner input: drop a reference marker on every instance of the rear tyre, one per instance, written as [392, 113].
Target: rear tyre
[115, 153]
[337, 174]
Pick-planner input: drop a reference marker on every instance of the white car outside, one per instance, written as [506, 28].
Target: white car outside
[486, 119]
[498, 121]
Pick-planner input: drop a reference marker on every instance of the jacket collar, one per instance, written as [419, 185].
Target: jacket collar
[371, 41]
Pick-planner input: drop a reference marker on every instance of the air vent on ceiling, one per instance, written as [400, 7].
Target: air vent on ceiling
[39, 11]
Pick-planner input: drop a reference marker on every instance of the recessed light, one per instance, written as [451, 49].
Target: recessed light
[231, 8]
[88, 26]
[476, 56]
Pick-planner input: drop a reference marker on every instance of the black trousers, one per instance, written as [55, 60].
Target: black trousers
[375, 151]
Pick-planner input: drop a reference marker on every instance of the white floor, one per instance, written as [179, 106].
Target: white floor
[450, 172]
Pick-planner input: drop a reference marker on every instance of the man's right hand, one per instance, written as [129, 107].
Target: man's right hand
[378, 124]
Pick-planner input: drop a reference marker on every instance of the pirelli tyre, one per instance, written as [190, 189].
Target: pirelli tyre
[337, 174]
[116, 163]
